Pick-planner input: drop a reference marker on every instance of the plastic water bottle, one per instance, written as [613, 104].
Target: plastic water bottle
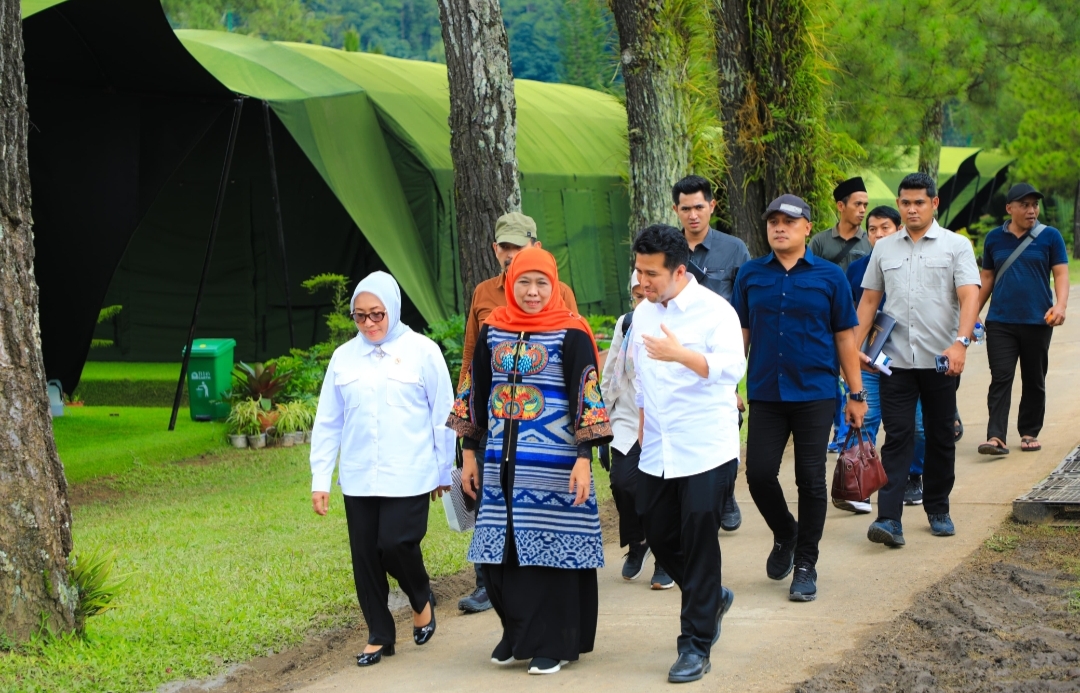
[979, 332]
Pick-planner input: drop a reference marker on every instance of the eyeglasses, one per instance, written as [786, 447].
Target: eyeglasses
[375, 315]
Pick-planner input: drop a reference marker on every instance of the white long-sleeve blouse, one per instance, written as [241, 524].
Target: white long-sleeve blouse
[382, 418]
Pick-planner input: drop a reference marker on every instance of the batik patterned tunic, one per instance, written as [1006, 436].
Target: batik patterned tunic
[533, 403]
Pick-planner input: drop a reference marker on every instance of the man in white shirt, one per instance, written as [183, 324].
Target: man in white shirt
[688, 356]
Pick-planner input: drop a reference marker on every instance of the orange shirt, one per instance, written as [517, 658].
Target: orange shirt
[488, 296]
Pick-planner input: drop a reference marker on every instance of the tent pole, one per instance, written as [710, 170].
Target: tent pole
[218, 204]
[277, 216]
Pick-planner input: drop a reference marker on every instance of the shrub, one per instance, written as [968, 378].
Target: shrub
[258, 382]
[92, 576]
[338, 322]
[449, 334]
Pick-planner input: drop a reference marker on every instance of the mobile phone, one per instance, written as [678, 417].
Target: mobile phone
[941, 363]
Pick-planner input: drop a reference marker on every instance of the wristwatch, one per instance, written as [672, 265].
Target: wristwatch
[857, 396]
[966, 341]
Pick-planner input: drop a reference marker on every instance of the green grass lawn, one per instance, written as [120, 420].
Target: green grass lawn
[119, 370]
[107, 441]
[229, 563]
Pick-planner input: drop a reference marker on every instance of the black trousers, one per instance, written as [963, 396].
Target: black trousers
[624, 483]
[1005, 343]
[384, 536]
[810, 424]
[900, 393]
[681, 518]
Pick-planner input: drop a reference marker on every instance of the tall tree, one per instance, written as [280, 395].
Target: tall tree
[771, 77]
[35, 520]
[1047, 148]
[671, 100]
[586, 44]
[483, 130]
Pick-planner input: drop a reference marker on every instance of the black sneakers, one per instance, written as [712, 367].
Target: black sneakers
[476, 602]
[782, 558]
[634, 564]
[913, 490]
[731, 516]
[804, 584]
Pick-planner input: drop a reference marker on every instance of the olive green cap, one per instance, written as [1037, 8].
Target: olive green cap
[515, 228]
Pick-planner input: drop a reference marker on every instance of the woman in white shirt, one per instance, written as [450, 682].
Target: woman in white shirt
[383, 408]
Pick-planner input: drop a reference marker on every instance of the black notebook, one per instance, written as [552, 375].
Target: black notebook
[879, 333]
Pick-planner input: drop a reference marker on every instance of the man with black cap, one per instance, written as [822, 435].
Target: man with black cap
[1017, 259]
[513, 232]
[798, 327]
[847, 241]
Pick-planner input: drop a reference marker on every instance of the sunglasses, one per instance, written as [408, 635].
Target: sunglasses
[375, 316]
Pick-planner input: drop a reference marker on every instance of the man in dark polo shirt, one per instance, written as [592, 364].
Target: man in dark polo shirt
[798, 325]
[842, 245]
[715, 259]
[847, 241]
[1022, 315]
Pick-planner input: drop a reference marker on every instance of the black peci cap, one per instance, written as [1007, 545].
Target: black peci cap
[851, 185]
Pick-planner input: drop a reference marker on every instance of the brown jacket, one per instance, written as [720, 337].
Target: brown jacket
[488, 296]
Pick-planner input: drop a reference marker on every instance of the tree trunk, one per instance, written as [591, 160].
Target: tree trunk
[656, 119]
[742, 199]
[483, 131]
[1076, 222]
[930, 139]
[35, 521]
[773, 109]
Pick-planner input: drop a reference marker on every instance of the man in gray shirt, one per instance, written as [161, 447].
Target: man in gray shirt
[847, 241]
[715, 259]
[931, 284]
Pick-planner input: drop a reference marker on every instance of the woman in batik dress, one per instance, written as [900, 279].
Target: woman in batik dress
[531, 406]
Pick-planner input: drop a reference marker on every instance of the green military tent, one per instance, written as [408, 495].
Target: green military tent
[967, 179]
[131, 126]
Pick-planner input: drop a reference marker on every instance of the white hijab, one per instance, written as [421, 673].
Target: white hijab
[385, 288]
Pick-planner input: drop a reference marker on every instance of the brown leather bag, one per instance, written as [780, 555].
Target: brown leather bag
[858, 471]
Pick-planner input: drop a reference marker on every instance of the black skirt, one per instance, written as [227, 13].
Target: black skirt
[545, 612]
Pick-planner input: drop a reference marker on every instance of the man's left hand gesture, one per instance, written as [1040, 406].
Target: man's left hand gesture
[667, 348]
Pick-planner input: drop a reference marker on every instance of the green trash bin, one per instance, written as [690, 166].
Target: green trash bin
[209, 376]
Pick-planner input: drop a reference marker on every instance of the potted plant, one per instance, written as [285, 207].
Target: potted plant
[244, 419]
[242, 422]
[288, 423]
[259, 383]
[308, 408]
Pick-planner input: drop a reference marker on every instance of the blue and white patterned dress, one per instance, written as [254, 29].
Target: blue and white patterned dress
[535, 410]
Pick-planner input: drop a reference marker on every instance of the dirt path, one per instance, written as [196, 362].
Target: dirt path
[769, 643]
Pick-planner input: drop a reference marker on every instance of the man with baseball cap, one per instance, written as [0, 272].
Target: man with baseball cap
[513, 232]
[1017, 259]
[796, 312]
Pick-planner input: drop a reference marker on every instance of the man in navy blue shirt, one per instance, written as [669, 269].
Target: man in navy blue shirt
[797, 318]
[1022, 315]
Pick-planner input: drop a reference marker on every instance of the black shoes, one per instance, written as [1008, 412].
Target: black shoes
[887, 532]
[423, 634]
[476, 602]
[941, 525]
[503, 654]
[660, 579]
[688, 667]
[366, 659]
[804, 584]
[782, 558]
[731, 516]
[634, 564]
[913, 490]
[546, 665]
[727, 597]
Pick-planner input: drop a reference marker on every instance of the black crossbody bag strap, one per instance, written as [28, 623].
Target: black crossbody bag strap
[1032, 235]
